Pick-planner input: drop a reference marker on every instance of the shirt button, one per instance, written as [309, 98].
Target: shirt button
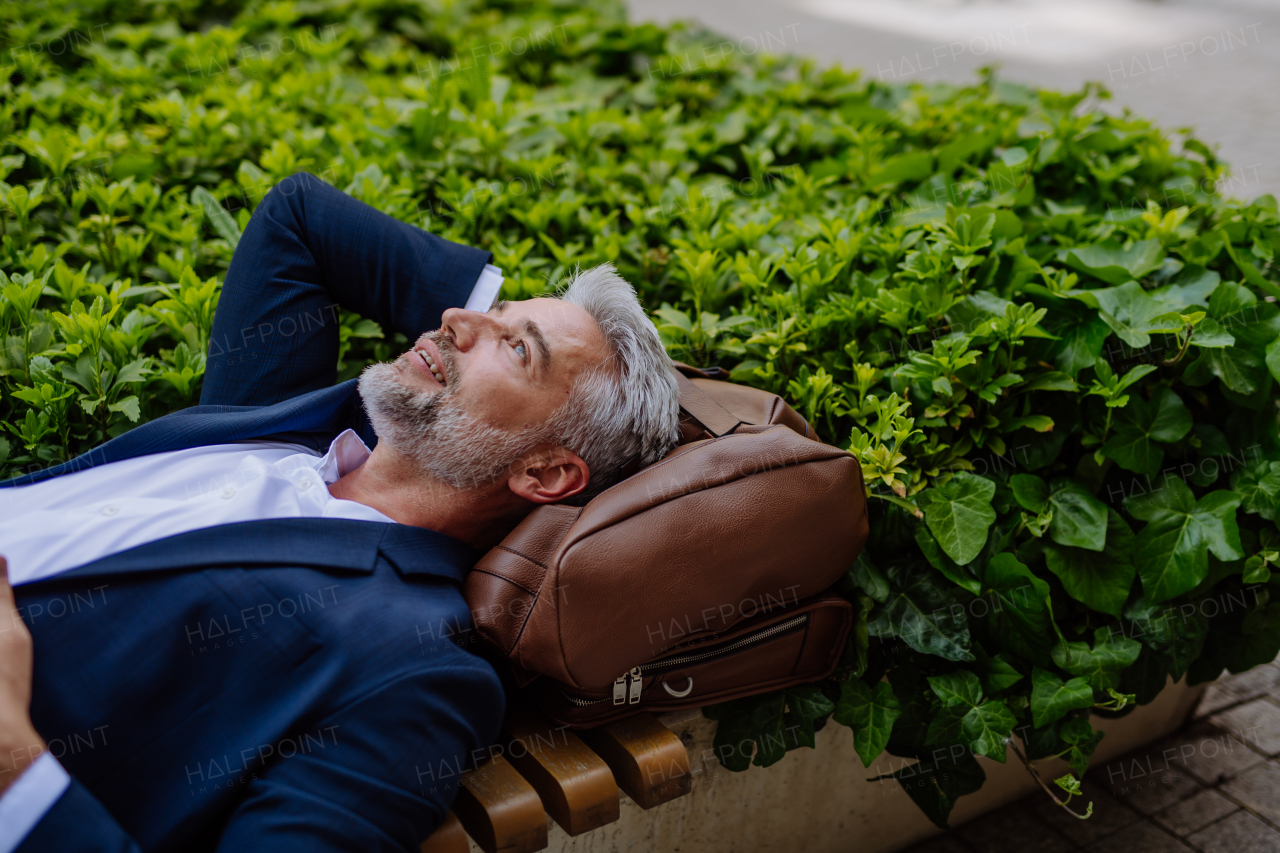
[303, 485]
[110, 509]
[228, 493]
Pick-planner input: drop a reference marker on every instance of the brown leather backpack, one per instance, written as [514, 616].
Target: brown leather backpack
[696, 580]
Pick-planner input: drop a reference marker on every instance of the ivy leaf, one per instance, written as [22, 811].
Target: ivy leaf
[1115, 265]
[946, 727]
[959, 514]
[1079, 733]
[1259, 488]
[805, 705]
[958, 575]
[957, 688]
[1100, 665]
[1081, 334]
[1172, 550]
[1238, 369]
[1141, 424]
[988, 728]
[1079, 519]
[870, 713]
[923, 616]
[1169, 630]
[936, 784]
[1273, 359]
[1031, 492]
[1099, 580]
[1052, 699]
[749, 726]
[1130, 313]
[866, 577]
[997, 673]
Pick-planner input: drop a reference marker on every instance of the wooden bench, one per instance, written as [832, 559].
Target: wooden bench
[539, 769]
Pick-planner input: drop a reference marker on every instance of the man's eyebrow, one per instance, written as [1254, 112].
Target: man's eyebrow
[544, 353]
[534, 331]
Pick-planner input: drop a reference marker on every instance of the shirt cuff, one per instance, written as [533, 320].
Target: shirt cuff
[29, 799]
[484, 293]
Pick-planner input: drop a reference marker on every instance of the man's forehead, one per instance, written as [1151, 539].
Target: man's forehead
[559, 319]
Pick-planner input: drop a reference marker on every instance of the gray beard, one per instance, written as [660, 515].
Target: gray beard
[433, 431]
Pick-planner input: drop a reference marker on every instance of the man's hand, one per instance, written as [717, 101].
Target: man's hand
[20, 744]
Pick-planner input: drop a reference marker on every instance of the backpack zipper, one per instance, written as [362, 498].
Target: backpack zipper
[626, 687]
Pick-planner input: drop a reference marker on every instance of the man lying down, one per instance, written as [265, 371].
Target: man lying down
[223, 603]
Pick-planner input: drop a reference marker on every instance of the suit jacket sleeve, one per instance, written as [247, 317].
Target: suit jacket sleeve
[381, 777]
[309, 250]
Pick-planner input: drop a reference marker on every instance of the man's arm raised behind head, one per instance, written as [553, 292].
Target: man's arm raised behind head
[309, 250]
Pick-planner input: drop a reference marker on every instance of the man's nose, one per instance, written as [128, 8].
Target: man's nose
[467, 327]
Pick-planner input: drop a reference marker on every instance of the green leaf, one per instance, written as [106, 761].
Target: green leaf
[988, 728]
[1141, 424]
[997, 673]
[1099, 665]
[1052, 699]
[218, 217]
[958, 575]
[1079, 519]
[1237, 368]
[923, 616]
[1172, 550]
[1129, 311]
[1100, 581]
[1273, 359]
[1116, 265]
[1081, 334]
[957, 688]
[1031, 492]
[866, 577]
[127, 406]
[870, 713]
[959, 514]
[936, 784]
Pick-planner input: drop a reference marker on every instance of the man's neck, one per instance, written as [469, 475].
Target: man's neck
[397, 488]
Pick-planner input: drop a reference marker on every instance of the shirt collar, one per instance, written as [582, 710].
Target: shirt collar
[346, 453]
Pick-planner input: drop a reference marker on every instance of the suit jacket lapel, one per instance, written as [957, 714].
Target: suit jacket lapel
[326, 543]
[310, 419]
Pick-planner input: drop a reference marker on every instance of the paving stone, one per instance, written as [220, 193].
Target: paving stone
[1216, 697]
[1196, 813]
[1155, 791]
[1145, 837]
[1258, 790]
[1109, 814]
[1259, 681]
[1257, 723]
[947, 843]
[1242, 832]
[1212, 755]
[1013, 827]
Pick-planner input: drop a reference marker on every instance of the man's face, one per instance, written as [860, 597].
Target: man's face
[502, 374]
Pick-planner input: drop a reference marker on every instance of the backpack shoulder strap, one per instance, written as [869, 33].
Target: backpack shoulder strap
[700, 406]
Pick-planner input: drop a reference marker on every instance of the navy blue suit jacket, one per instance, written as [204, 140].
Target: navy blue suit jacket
[274, 685]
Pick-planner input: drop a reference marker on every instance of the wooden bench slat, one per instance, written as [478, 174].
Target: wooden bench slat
[500, 809]
[449, 837]
[647, 759]
[576, 785]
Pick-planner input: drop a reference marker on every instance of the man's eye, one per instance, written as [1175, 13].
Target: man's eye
[523, 352]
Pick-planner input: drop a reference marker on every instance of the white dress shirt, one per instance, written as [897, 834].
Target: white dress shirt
[49, 527]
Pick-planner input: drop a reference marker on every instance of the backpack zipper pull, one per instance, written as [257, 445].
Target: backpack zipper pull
[620, 689]
[636, 684]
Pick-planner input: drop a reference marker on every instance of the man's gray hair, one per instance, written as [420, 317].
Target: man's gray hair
[628, 407]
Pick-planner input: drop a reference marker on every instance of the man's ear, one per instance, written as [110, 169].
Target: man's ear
[549, 476]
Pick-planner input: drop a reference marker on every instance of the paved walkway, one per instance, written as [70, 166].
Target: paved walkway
[1214, 787]
[1209, 64]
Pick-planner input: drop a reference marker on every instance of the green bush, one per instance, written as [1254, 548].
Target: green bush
[1046, 336]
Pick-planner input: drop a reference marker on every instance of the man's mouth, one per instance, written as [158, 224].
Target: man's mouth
[436, 368]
